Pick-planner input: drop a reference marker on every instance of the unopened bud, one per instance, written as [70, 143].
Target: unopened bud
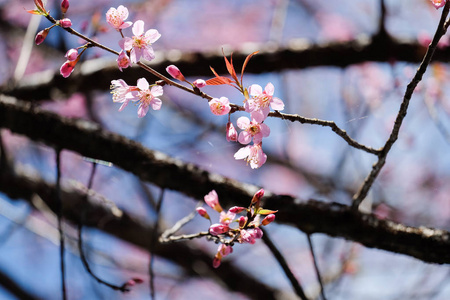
[268, 219]
[232, 134]
[258, 195]
[236, 209]
[202, 212]
[40, 37]
[175, 72]
[65, 23]
[64, 6]
[72, 54]
[242, 221]
[199, 83]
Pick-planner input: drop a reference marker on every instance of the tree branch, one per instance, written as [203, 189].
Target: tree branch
[427, 244]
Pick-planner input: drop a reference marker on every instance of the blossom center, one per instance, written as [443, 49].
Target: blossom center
[146, 97]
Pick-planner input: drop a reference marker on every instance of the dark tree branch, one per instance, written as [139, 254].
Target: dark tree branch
[59, 209]
[427, 244]
[10, 285]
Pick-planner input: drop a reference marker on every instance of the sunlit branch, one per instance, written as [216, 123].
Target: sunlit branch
[370, 179]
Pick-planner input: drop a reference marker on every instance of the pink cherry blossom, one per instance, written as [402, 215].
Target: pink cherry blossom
[226, 218]
[257, 196]
[237, 209]
[68, 67]
[231, 133]
[242, 221]
[222, 251]
[258, 104]
[140, 44]
[253, 154]
[123, 61]
[220, 106]
[251, 129]
[202, 212]
[122, 93]
[212, 199]
[438, 3]
[147, 97]
[41, 35]
[64, 6]
[116, 17]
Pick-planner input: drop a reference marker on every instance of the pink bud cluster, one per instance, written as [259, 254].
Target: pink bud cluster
[244, 229]
[438, 3]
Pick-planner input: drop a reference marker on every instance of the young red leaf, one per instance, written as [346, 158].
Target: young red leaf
[247, 59]
[230, 66]
[219, 80]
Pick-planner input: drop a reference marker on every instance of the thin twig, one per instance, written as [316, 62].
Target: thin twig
[316, 267]
[370, 179]
[153, 241]
[283, 264]
[122, 288]
[59, 216]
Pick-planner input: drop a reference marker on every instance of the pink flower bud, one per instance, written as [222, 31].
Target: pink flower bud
[65, 23]
[268, 219]
[438, 3]
[202, 212]
[242, 221]
[123, 61]
[236, 209]
[175, 72]
[258, 195]
[67, 68]
[72, 54]
[217, 229]
[224, 250]
[200, 83]
[232, 134]
[212, 199]
[40, 37]
[64, 6]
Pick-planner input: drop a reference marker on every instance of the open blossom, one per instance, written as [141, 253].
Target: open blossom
[122, 93]
[220, 106]
[116, 17]
[253, 154]
[259, 104]
[147, 97]
[438, 3]
[251, 129]
[140, 44]
[123, 61]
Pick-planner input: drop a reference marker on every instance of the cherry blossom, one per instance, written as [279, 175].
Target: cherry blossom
[250, 235]
[253, 154]
[122, 93]
[140, 45]
[72, 54]
[268, 219]
[147, 97]
[64, 6]
[258, 104]
[65, 23]
[41, 35]
[220, 106]
[251, 129]
[175, 72]
[199, 83]
[116, 17]
[217, 229]
[202, 212]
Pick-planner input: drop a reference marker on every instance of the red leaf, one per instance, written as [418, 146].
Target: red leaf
[219, 80]
[247, 59]
[230, 66]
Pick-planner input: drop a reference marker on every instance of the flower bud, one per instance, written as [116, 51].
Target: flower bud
[67, 68]
[72, 54]
[217, 229]
[123, 61]
[40, 37]
[202, 212]
[232, 134]
[268, 219]
[258, 195]
[65, 23]
[175, 72]
[242, 221]
[236, 209]
[216, 262]
[199, 83]
[64, 6]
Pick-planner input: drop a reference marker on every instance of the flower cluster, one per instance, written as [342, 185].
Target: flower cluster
[142, 94]
[244, 229]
